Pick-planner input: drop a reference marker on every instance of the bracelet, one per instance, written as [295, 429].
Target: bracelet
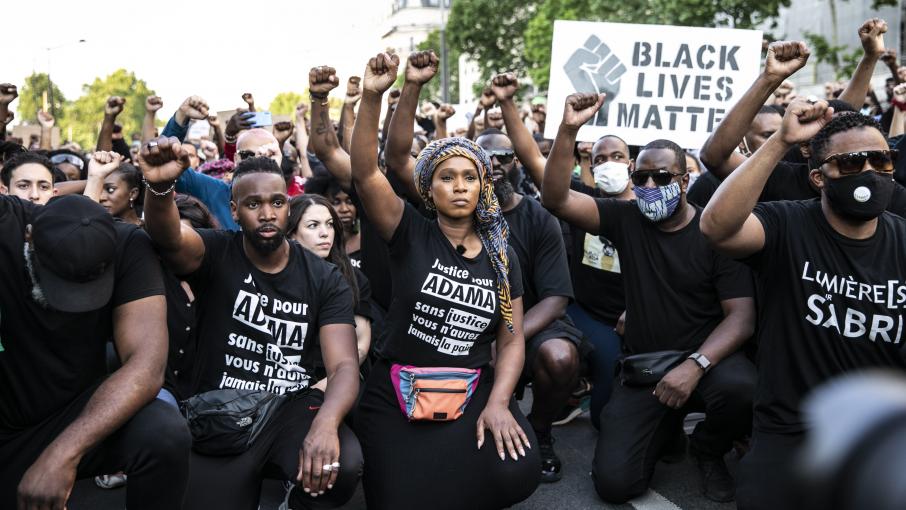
[320, 97]
[229, 139]
[159, 193]
[900, 105]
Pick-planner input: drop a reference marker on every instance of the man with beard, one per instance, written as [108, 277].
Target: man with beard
[552, 340]
[686, 306]
[831, 272]
[264, 306]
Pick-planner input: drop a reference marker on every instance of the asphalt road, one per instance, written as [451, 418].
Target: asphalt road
[675, 486]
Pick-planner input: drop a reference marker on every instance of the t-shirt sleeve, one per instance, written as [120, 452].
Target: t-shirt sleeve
[612, 213]
[216, 242]
[732, 279]
[897, 204]
[516, 289]
[551, 271]
[364, 308]
[138, 270]
[412, 228]
[772, 221]
[334, 298]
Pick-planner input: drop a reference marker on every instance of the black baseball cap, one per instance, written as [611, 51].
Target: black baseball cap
[74, 244]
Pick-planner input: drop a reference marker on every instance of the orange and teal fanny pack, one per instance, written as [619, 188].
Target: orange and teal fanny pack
[433, 393]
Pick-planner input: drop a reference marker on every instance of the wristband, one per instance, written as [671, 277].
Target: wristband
[229, 139]
[899, 104]
[322, 98]
[159, 193]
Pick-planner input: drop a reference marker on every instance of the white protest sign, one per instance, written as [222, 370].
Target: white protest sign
[661, 81]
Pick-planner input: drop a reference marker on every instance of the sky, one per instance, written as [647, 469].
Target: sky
[217, 50]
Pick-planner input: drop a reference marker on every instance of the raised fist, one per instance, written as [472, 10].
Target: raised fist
[283, 130]
[103, 163]
[595, 69]
[504, 86]
[422, 66]
[899, 93]
[445, 112]
[487, 98]
[803, 120]
[393, 97]
[353, 90]
[380, 73]
[580, 108]
[539, 113]
[871, 33]
[322, 79]
[785, 58]
[153, 103]
[114, 106]
[213, 121]
[240, 121]
[249, 100]
[301, 110]
[889, 57]
[194, 107]
[163, 160]
[8, 93]
[495, 118]
[45, 119]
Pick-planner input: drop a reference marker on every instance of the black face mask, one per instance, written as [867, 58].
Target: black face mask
[861, 197]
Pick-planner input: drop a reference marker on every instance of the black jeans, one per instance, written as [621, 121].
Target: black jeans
[152, 448]
[234, 482]
[636, 427]
[765, 474]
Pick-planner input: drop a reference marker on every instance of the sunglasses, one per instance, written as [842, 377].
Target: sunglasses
[244, 155]
[660, 176]
[849, 163]
[503, 156]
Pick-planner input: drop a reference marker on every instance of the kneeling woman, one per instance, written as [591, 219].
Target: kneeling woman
[456, 290]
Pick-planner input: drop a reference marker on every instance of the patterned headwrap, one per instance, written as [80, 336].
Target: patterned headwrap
[489, 223]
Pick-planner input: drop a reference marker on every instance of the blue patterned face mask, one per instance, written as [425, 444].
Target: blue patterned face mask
[658, 204]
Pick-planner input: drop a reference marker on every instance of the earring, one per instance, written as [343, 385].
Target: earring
[131, 203]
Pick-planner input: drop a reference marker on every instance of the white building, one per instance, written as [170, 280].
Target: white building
[410, 22]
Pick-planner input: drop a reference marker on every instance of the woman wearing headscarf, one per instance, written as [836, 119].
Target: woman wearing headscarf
[438, 424]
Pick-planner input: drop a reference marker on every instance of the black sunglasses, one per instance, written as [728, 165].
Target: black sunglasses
[503, 156]
[244, 155]
[660, 176]
[849, 163]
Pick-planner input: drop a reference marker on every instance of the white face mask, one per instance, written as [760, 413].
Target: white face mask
[611, 177]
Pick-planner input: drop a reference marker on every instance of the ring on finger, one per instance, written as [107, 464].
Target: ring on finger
[811, 99]
[152, 145]
[327, 467]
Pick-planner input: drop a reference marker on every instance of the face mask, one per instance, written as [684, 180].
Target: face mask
[658, 204]
[866, 110]
[693, 178]
[860, 197]
[611, 177]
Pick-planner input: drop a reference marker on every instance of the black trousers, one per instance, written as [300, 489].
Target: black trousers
[636, 427]
[234, 482]
[764, 480]
[152, 448]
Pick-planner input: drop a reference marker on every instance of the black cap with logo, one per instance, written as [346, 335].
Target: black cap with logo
[74, 242]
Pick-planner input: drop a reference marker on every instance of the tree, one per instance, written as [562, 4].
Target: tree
[490, 32]
[539, 29]
[85, 114]
[31, 99]
[843, 60]
[431, 90]
[285, 103]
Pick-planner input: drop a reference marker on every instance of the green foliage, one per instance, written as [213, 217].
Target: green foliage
[538, 34]
[84, 115]
[491, 32]
[431, 90]
[285, 103]
[31, 99]
[843, 62]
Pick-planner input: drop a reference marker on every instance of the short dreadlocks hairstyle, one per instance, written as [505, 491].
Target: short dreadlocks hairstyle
[839, 124]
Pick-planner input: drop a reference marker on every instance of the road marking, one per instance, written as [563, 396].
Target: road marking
[651, 500]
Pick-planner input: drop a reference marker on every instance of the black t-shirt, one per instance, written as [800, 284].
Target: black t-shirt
[258, 330]
[536, 238]
[48, 358]
[828, 305]
[595, 270]
[674, 281]
[182, 329]
[703, 189]
[788, 182]
[445, 308]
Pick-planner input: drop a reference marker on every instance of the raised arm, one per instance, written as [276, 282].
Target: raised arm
[347, 114]
[575, 208]
[728, 221]
[46, 120]
[504, 87]
[384, 208]
[889, 58]
[162, 161]
[249, 101]
[321, 80]
[112, 109]
[302, 140]
[152, 104]
[421, 67]
[440, 121]
[718, 153]
[8, 94]
[898, 103]
[217, 137]
[101, 165]
[871, 33]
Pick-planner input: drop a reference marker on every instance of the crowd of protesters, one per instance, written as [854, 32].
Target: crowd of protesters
[328, 301]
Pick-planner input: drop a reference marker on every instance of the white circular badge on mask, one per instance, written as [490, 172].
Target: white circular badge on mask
[862, 194]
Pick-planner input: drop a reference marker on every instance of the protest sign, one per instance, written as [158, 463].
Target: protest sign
[661, 81]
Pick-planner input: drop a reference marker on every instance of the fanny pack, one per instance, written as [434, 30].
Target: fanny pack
[433, 393]
[227, 421]
[649, 368]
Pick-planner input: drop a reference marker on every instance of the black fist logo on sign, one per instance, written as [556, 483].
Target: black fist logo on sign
[595, 69]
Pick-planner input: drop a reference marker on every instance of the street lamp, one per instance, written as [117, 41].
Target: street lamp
[53, 111]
